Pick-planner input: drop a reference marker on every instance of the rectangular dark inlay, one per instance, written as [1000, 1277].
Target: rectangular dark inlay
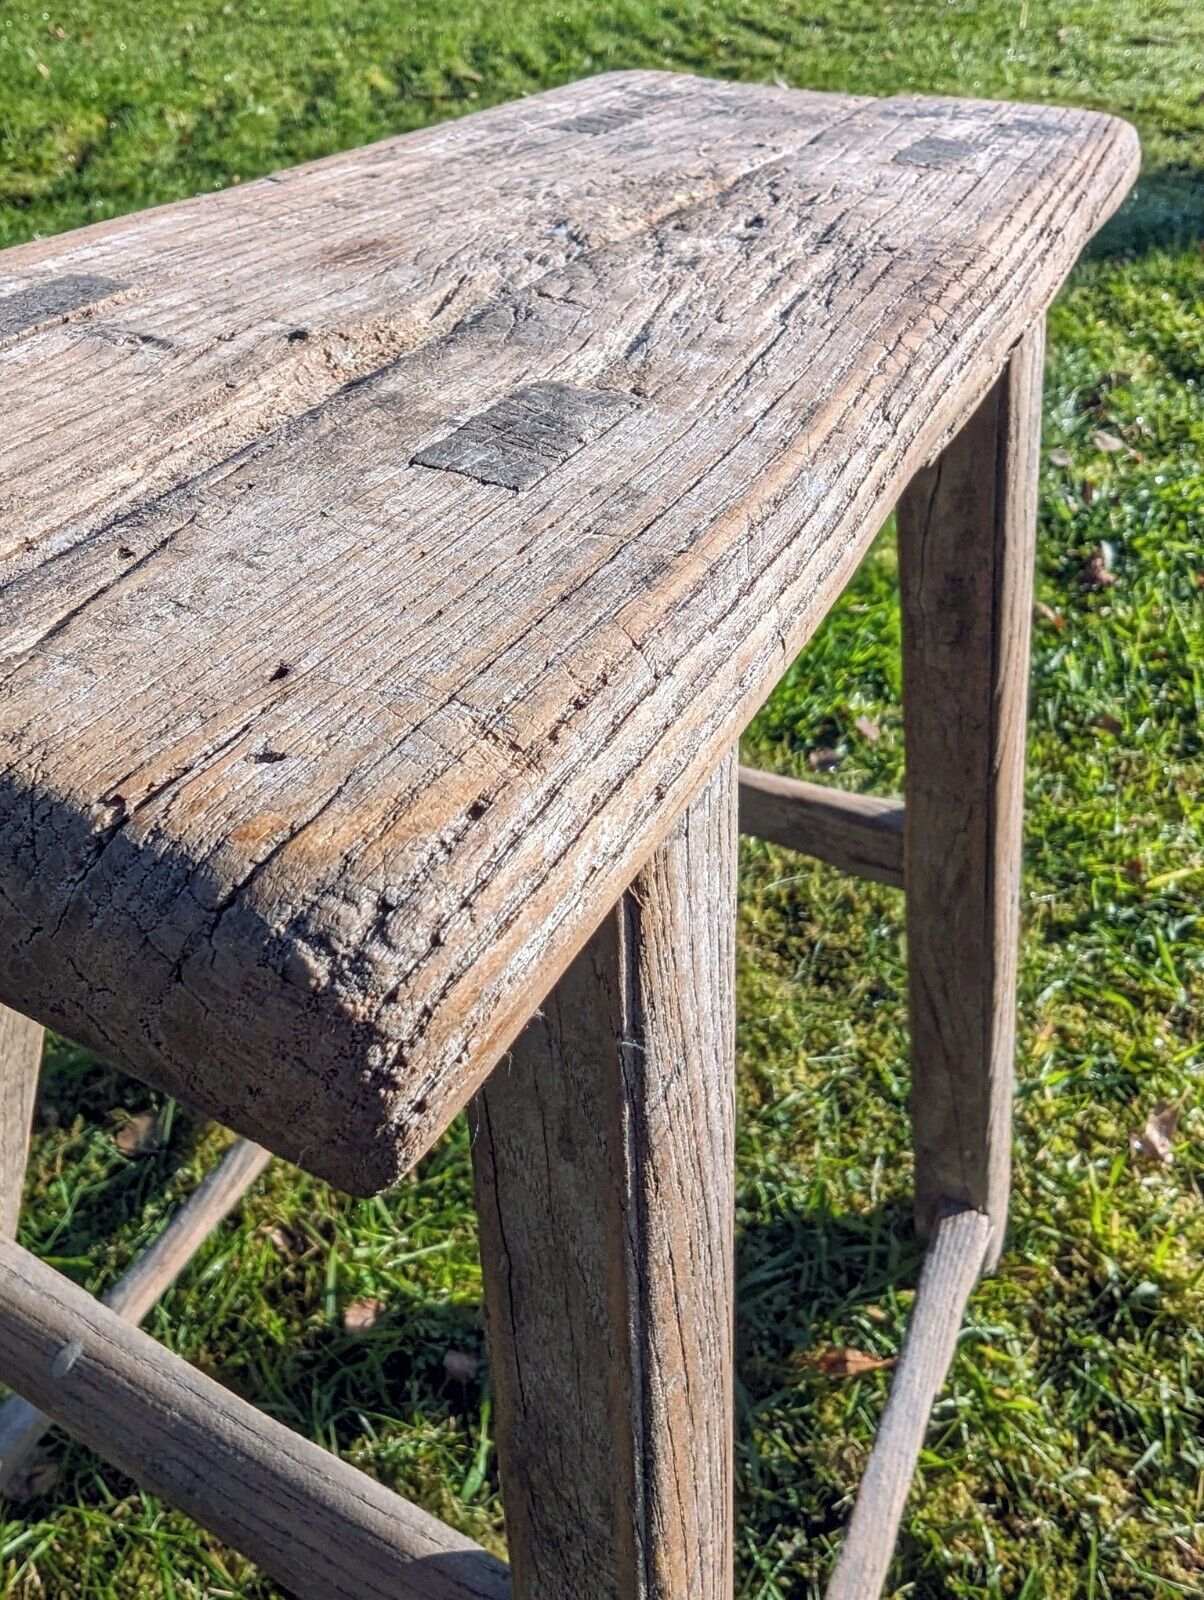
[933, 151]
[55, 297]
[520, 438]
[1031, 125]
[607, 119]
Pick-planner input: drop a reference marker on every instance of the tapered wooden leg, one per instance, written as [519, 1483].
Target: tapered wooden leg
[966, 538]
[604, 1156]
[20, 1060]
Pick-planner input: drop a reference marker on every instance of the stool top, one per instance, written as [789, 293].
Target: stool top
[390, 547]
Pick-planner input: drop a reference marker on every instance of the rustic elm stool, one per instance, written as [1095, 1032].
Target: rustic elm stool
[393, 551]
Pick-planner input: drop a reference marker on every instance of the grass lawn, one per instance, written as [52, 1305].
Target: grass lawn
[1066, 1457]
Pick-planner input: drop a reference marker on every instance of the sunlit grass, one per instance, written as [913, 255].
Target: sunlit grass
[1067, 1456]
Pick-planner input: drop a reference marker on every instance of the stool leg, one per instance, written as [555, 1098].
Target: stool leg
[20, 1060]
[966, 540]
[604, 1174]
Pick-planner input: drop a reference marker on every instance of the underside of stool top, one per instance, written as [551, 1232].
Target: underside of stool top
[389, 549]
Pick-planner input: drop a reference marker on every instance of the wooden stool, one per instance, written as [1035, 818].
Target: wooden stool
[394, 550]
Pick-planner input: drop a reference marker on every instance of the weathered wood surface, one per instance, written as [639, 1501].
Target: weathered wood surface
[967, 527]
[859, 833]
[320, 763]
[208, 323]
[951, 1268]
[603, 1151]
[522, 437]
[135, 1292]
[20, 1063]
[310, 1520]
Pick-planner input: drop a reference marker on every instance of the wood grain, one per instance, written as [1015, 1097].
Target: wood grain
[859, 833]
[603, 1151]
[519, 439]
[308, 1519]
[207, 323]
[135, 1292]
[951, 1268]
[52, 300]
[20, 1063]
[967, 529]
[320, 765]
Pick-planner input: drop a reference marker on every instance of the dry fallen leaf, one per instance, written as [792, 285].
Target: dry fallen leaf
[1044, 1037]
[460, 1365]
[1134, 869]
[361, 1315]
[1107, 442]
[1096, 573]
[141, 1136]
[1048, 614]
[276, 1236]
[1107, 722]
[868, 729]
[35, 1476]
[1189, 1554]
[1156, 1140]
[823, 760]
[1060, 458]
[844, 1362]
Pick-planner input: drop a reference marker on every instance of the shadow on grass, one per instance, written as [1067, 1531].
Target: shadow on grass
[806, 1277]
[329, 1383]
[1164, 212]
[335, 1382]
[105, 1197]
[811, 1282]
[801, 1268]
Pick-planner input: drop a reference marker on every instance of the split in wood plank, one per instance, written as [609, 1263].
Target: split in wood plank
[859, 833]
[131, 1297]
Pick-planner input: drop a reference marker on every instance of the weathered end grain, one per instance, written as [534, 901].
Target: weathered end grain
[603, 1150]
[951, 1268]
[967, 529]
[311, 1521]
[320, 764]
[20, 1063]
